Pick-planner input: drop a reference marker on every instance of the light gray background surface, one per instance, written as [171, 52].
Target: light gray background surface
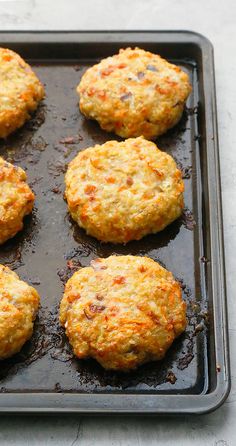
[217, 20]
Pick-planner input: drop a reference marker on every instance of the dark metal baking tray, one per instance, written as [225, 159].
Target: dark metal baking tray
[44, 377]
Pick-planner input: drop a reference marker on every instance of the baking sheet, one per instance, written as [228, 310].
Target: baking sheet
[51, 246]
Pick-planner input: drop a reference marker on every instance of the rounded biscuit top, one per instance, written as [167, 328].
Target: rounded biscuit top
[20, 91]
[16, 199]
[121, 191]
[134, 93]
[123, 311]
[18, 308]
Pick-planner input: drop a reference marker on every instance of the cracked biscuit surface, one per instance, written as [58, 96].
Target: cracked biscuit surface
[134, 93]
[122, 311]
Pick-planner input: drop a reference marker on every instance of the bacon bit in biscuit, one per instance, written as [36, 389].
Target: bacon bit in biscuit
[24, 96]
[162, 90]
[114, 311]
[140, 75]
[96, 308]
[119, 280]
[72, 297]
[107, 71]
[90, 189]
[124, 187]
[151, 67]
[133, 55]
[129, 181]
[91, 91]
[172, 83]
[142, 269]
[156, 171]
[83, 156]
[99, 296]
[96, 163]
[126, 96]
[7, 57]
[170, 327]
[88, 316]
[154, 317]
[110, 180]
[102, 95]
[84, 215]
[96, 207]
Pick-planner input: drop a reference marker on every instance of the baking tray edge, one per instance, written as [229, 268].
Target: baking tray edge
[167, 404]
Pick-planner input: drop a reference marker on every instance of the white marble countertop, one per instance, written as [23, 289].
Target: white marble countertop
[216, 20]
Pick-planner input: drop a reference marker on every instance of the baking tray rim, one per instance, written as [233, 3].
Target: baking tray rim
[153, 404]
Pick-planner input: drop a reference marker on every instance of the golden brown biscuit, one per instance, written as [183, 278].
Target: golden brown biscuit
[134, 93]
[18, 307]
[16, 199]
[123, 311]
[20, 92]
[121, 191]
